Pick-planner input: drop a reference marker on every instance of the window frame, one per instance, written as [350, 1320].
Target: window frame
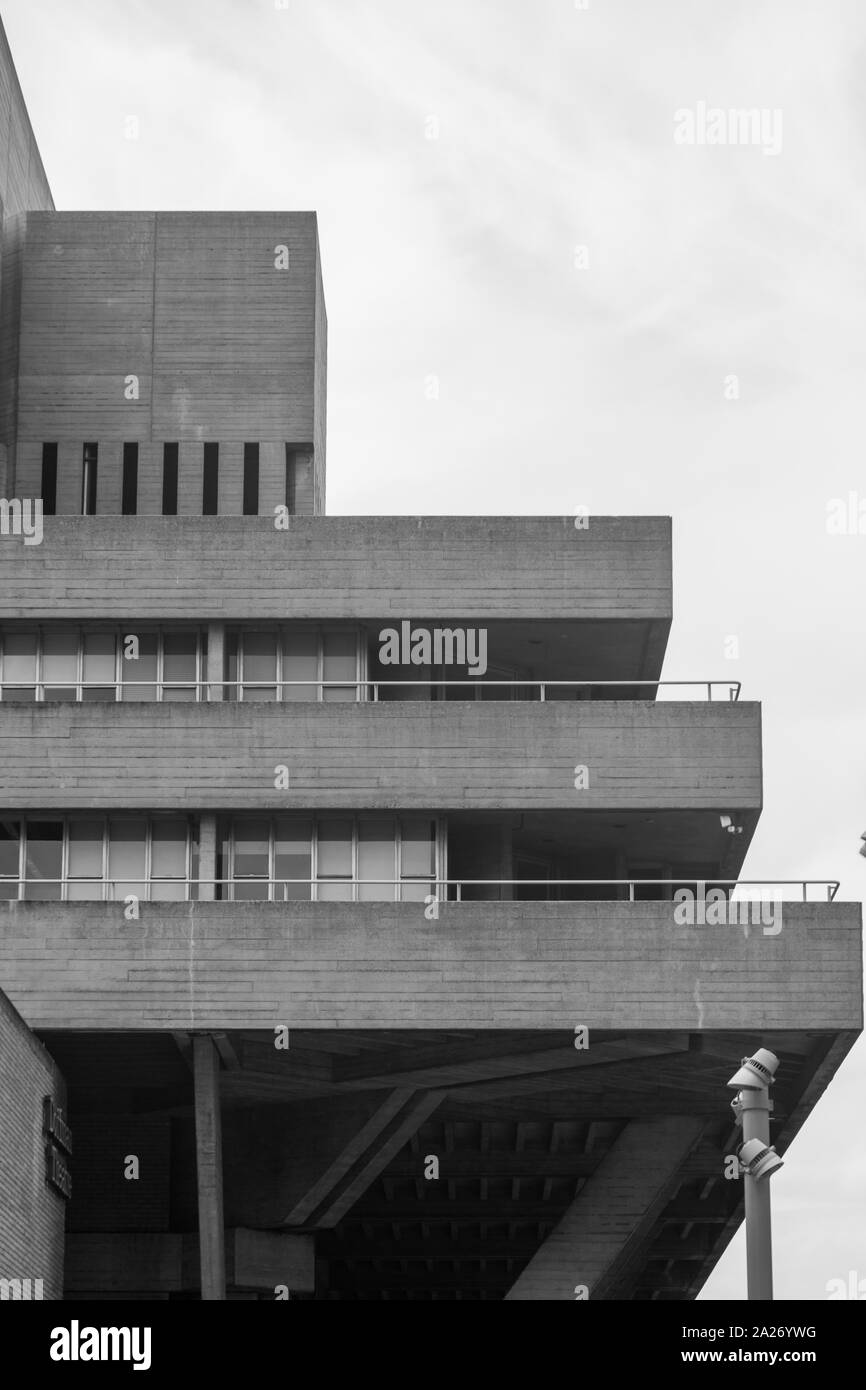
[103, 890]
[41, 630]
[440, 851]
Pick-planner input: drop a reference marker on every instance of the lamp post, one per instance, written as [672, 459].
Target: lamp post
[752, 1107]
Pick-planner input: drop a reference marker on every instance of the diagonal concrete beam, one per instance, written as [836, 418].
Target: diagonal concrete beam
[357, 1153]
[610, 1222]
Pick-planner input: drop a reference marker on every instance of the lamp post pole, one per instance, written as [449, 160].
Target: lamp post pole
[756, 1106]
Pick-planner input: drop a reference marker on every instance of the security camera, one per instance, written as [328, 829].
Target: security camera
[758, 1160]
[756, 1071]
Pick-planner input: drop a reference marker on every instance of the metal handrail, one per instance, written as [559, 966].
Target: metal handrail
[831, 886]
[733, 687]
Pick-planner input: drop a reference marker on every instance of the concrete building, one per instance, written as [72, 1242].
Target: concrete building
[345, 862]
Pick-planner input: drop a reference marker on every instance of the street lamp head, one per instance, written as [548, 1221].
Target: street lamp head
[758, 1159]
[756, 1071]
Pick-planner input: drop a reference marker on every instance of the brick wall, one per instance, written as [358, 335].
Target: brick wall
[32, 1215]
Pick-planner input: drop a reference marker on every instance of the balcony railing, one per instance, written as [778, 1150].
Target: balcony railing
[455, 889]
[360, 691]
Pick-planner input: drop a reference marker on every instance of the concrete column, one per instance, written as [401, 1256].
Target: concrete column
[209, 1168]
[216, 646]
[506, 862]
[207, 850]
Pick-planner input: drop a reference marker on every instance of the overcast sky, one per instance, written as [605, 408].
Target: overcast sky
[702, 356]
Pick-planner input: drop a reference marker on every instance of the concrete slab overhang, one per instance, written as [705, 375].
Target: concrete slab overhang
[385, 965]
[223, 568]
[455, 755]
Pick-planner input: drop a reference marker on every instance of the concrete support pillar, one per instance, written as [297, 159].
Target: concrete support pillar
[207, 855]
[506, 862]
[216, 645]
[209, 1168]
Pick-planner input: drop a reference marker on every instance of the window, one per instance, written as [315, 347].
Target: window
[101, 664]
[251, 865]
[139, 665]
[251, 480]
[97, 858]
[210, 480]
[59, 665]
[43, 860]
[88, 479]
[129, 498]
[365, 858]
[339, 663]
[85, 860]
[169, 479]
[179, 665]
[293, 858]
[49, 479]
[334, 861]
[260, 666]
[301, 663]
[10, 856]
[296, 663]
[19, 654]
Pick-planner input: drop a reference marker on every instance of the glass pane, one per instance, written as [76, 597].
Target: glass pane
[167, 892]
[300, 663]
[99, 653]
[19, 664]
[416, 892]
[59, 665]
[376, 859]
[249, 889]
[44, 859]
[419, 848]
[126, 845]
[251, 848]
[339, 663]
[335, 848]
[260, 664]
[168, 849]
[85, 849]
[84, 890]
[10, 835]
[292, 858]
[334, 892]
[142, 668]
[179, 650]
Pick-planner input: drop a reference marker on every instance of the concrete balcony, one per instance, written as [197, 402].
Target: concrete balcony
[227, 568]
[473, 755]
[504, 965]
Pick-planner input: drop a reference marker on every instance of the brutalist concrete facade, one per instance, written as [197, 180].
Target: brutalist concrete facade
[366, 980]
